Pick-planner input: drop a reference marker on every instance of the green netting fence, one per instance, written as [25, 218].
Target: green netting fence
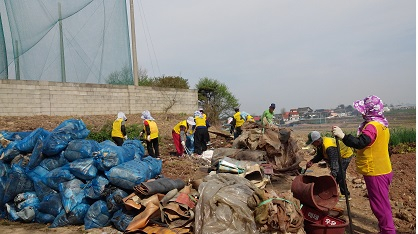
[64, 41]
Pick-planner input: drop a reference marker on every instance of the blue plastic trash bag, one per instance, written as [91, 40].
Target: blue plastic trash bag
[37, 157]
[57, 176]
[190, 143]
[82, 168]
[14, 136]
[81, 148]
[134, 172]
[137, 146]
[74, 217]
[97, 216]
[23, 200]
[72, 194]
[67, 131]
[112, 155]
[95, 187]
[43, 218]
[122, 218]
[115, 200]
[17, 182]
[51, 204]
[10, 152]
[27, 144]
[54, 162]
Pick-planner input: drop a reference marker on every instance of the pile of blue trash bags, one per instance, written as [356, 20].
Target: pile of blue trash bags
[62, 178]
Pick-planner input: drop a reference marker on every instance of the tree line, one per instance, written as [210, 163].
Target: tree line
[213, 96]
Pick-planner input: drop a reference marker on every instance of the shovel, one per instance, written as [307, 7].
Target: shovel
[344, 184]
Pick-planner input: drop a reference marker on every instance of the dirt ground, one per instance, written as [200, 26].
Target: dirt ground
[402, 191]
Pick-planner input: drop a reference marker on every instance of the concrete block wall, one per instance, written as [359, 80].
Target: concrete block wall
[28, 98]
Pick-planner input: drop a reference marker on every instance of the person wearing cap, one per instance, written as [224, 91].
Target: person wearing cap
[372, 157]
[179, 133]
[289, 150]
[268, 116]
[151, 134]
[119, 130]
[326, 148]
[201, 133]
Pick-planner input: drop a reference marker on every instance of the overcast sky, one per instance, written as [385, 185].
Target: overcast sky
[316, 54]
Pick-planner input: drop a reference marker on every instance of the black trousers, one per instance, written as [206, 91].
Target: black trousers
[335, 172]
[152, 147]
[200, 140]
[118, 140]
[237, 132]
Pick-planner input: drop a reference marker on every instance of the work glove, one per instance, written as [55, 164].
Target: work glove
[126, 137]
[338, 132]
[309, 164]
[148, 138]
[183, 143]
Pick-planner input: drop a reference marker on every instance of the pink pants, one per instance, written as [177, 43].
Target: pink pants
[378, 190]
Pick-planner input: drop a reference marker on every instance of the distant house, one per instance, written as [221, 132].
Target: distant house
[285, 116]
[293, 115]
[324, 113]
[304, 112]
[340, 112]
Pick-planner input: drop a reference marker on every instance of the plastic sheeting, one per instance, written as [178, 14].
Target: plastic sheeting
[222, 205]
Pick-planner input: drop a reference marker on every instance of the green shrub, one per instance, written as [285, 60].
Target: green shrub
[401, 135]
[105, 132]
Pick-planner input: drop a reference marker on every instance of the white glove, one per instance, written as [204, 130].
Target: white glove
[183, 143]
[126, 137]
[148, 138]
[338, 132]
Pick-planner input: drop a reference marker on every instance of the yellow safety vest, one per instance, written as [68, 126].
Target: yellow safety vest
[200, 122]
[250, 118]
[238, 120]
[327, 142]
[374, 160]
[116, 128]
[152, 128]
[181, 123]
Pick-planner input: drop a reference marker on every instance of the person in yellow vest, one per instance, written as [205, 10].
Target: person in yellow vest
[372, 158]
[151, 134]
[207, 138]
[179, 133]
[237, 122]
[119, 130]
[200, 134]
[326, 148]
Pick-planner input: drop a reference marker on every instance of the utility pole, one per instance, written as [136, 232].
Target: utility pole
[63, 78]
[133, 38]
[17, 63]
